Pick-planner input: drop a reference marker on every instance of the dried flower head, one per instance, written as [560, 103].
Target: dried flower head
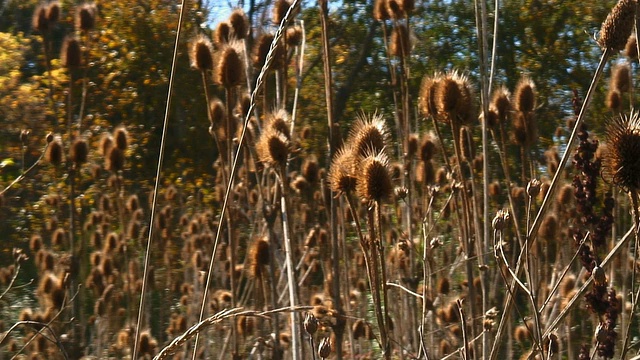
[53, 12]
[273, 148]
[121, 137]
[525, 95]
[79, 151]
[380, 12]
[373, 178]
[280, 121]
[369, 133]
[341, 177]
[622, 161]
[39, 20]
[261, 49]
[239, 24]
[71, 54]
[280, 10]
[395, 9]
[201, 53]
[222, 34]
[86, 17]
[616, 29]
[230, 68]
[294, 36]
[614, 100]
[427, 104]
[501, 102]
[621, 77]
[54, 152]
[452, 98]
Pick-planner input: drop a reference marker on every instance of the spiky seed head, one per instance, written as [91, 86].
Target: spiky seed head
[443, 286]
[259, 256]
[427, 148]
[453, 99]
[86, 17]
[230, 69]
[310, 323]
[549, 227]
[261, 49]
[631, 48]
[466, 144]
[294, 36]
[280, 10]
[121, 137]
[79, 151]
[525, 96]
[524, 129]
[39, 20]
[222, 34]
[622, 160]
[373, 182]
[53, 12]
[201, 53]
[412, 145]
[239, 24]
[614, 100]
[273, 148]
[115, 159]
[310, 169]
[380, 12]
[324, 349]
[280, 121]
[447, 95]
[617, 27]
[501, 102]
[369, 133]
[427, 102]
[71, 55]
[621, 77]
[218, 112]
[341, 177]
[400, 42]
[54, 152]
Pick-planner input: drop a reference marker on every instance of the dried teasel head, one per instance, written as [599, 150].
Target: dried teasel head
[342, 179]
[452, 98]
[280, 121]
[294, 36]
[395, 9]
[54, 152]
[230, 67]
[614, 100]
[525, 95]
[369, 133]
[39, 20]
[53, 12]
[622, 160]
[280, 8]
[617, 27]
[261, 49]
[86, 17]
[427, 102]
[273, 148]
[501, 102]
[239, 24]
[79, 151]
[373, 182]
[621, 77]
[222, 34]
[71, 54]
[121, 137]
[201, 53]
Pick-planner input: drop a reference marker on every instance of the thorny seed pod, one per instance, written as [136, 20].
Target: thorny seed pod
[453, 100]
[259, 256]
[621, 77]
[86, 17]
[54, 152]
[114, 160]
[222, 34]
[53, 12]
[394, 9]
[261, 49]
[525, 96]
[373, 182]
[71, 55]
[622, 160]
[230, 68]
[201, 53]
[369, 133]
[280, 10]
[79, 152]
[341, 177]
[616, 29]
[273, 148]
[294, 36]
[120, 136]
[501, 102]
[533, 188]
[614, 100]
[427, 102]
[239, 24]
[39, 21]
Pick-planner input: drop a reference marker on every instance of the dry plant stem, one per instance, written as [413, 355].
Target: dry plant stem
[38, 325]
[12, 281]
[634, 295]
[147, 256]
[383, 275]
[296, 333]
[333, 140]
[425, 268]
[275, 322]
[259, 84]
[296, 93]
[548, 197]
[26, 172]
[567, 309]
[373, 248]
